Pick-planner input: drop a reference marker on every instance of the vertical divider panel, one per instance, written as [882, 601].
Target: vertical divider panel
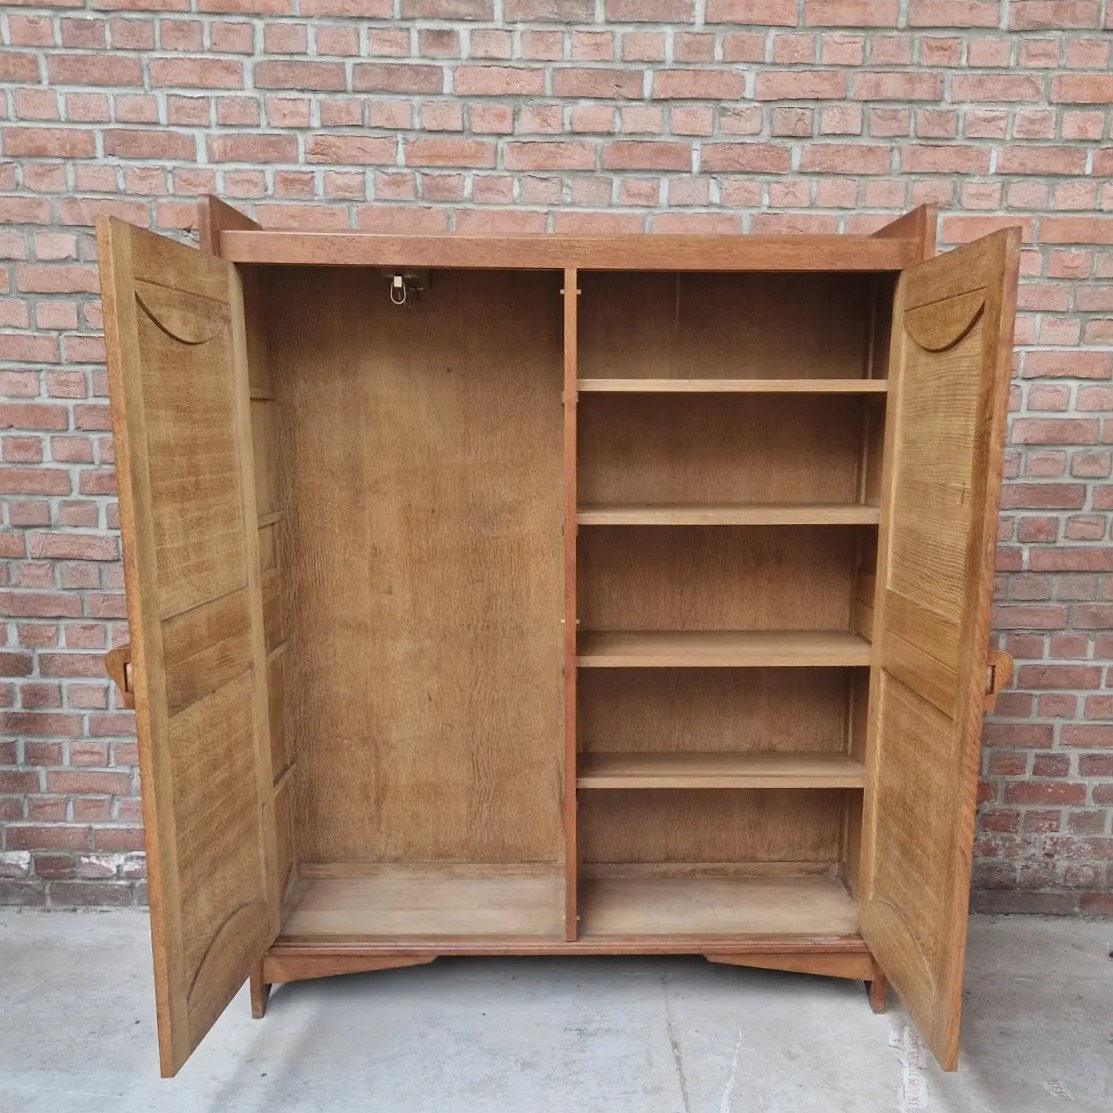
[214, 217]
[570, 396]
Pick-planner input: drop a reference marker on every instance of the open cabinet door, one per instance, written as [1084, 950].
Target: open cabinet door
[949, 369]
[180, 397]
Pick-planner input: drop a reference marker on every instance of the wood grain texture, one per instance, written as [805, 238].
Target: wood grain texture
[214, 217]
[877, 990]
[716, 906]
[600, 649]
[737, 326]
[752, 710]
[428, 902]
[858, 967]
[117, 663]
[286, 968]
[944, 446]
[304, 954]
[259, 992]
[727, 514]
[707, 578]
[695, 825]
[920, 226]
[734, 386]
[421, 469]
[776, 448]
[178, 385]
[719, 771]
[568, 528]
[559, 252]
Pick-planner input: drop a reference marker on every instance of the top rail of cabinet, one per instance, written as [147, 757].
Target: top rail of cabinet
[555, 251]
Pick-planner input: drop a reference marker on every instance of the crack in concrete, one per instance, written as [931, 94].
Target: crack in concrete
[675, 1045]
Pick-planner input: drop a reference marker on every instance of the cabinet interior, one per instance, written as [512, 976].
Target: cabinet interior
[410, 465]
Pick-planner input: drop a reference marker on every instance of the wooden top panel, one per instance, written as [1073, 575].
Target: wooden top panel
[552, 251]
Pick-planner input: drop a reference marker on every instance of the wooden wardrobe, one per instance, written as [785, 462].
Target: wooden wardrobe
[546, 594]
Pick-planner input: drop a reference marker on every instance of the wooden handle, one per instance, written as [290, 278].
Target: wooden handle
[999, 671]
[117, 663]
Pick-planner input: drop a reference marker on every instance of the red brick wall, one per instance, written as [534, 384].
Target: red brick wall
[534, 115]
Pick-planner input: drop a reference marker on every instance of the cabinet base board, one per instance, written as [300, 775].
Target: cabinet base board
[835, 957]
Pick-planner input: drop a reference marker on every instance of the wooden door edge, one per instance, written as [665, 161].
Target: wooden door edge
[999, 674]
[214, 217]
[117, 663]
[920, 224]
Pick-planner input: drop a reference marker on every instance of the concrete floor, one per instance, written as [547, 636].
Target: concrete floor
[528, 1035]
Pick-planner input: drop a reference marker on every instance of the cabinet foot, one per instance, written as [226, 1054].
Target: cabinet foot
[260, 993]
[877, 990]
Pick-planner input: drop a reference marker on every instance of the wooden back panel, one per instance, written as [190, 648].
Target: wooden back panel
[179, 391]
[733, 326]
[951, 358]
[717, 577]
[719, 448]
[420, 464]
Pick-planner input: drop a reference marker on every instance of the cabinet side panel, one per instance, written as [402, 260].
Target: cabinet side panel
[423, 585]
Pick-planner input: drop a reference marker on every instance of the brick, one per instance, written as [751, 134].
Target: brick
[1053, 15]
[27, 837]
[613, 84]
[252, 148]
[759, 13]
[498, 81]
[323, 76]
[1078, 365]
[851, 13]
[944, 159]
[397, 77]
[543, 155]
[1055, 430]
[449, 152]
[1077, 88]
[1041, 160]
[800, 85]
[365, 9]
[760, 158]
[896, 86]
[697, 84]
[47, 142]
[350, 149]
[196, 73]
[996, 87]
[555, 11]
[1045, 792]
[954, 13]
[448, 9]
[649, 11]
[646, 155]
[1071, 558]
[848, 158]
[94, 69]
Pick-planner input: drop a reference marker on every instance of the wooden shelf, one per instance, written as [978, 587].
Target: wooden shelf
[370, 900]
[694, 904]
[734, 386]
[721, 649]
[719, 770]
[729, 514]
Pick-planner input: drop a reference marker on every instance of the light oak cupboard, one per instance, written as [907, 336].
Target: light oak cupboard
[608, 595]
